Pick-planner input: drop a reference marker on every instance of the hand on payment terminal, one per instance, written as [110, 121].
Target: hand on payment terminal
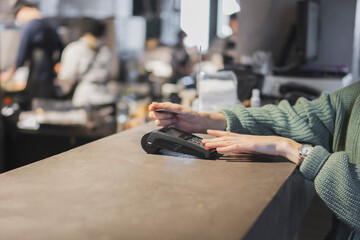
[178, 141]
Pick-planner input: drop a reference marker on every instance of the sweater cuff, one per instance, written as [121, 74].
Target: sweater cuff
[314, 162]
[232, 121]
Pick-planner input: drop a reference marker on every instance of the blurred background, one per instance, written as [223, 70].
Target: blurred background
[117, 56]
[74, 71]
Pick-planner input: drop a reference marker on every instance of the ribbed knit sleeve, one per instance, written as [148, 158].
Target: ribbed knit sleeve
[306, 121]
[337, 182]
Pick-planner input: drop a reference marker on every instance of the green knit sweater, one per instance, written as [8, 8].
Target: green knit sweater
[332, 124]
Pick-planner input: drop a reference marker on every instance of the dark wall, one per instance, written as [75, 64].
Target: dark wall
[337, 31]
[263, 25]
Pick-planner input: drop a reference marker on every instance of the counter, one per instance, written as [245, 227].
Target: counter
[112, 189]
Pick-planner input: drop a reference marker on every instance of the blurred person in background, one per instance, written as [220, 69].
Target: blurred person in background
[225, 49]
[36, 33]
[180, 59]
[229, 53]
[85, 67]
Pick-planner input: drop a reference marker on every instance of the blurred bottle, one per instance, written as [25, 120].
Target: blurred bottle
[122, 114]
[255, 100]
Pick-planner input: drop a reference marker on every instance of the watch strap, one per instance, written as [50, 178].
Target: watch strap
[303, 154]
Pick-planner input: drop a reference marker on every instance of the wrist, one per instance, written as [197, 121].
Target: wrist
[290, 149]
[214, 121]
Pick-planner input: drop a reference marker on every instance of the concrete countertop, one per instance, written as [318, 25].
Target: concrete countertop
[112, 189]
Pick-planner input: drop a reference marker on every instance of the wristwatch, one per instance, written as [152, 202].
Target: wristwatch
[304, 151]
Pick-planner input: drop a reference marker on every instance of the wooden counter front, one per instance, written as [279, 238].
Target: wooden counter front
[112, 189]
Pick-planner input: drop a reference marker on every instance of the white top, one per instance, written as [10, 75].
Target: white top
[75, 61]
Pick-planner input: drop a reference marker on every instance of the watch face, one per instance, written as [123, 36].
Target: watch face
[305, 149]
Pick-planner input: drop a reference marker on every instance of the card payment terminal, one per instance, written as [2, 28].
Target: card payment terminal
[176, 140]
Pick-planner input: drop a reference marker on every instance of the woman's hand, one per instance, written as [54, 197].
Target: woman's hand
[175, 115]
[239, 143]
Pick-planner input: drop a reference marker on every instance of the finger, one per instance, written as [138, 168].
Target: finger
[233, 139]
[217, 144]
[235, 148]
[218, 133]
[161, 116]
[152, 115]
[211, 140]
[166, 106]
[153, 106]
